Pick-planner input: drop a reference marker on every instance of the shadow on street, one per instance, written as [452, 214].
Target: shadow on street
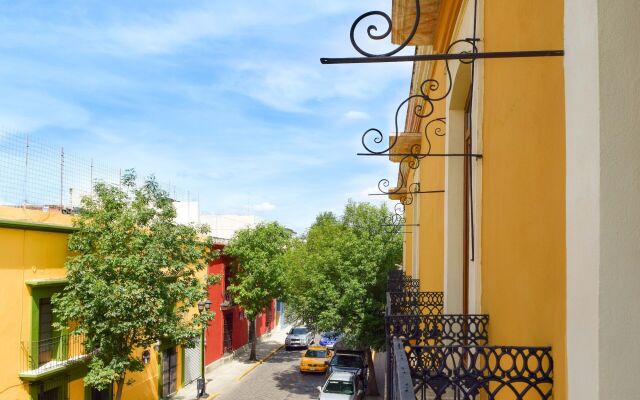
[292, 380]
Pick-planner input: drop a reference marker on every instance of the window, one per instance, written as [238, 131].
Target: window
[468, 212]
[340, 387]
[46, 341]
[316, 354]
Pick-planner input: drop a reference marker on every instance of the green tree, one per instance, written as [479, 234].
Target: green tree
[337, 275]
[258, 270]
[133, 279]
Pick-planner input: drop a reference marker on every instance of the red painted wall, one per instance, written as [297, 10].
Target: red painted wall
[240, 332]
[213, 344]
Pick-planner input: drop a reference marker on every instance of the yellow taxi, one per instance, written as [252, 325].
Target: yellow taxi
[315, 359]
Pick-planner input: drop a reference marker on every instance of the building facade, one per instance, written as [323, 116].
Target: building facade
[229, 329]
[42, 363]
[517, 184]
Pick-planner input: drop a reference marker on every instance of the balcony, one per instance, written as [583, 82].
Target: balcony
[480, 372]
[436, 356]
[414, 303]
[437, 330]
[46, 357]
[227, 301]
[398, 282]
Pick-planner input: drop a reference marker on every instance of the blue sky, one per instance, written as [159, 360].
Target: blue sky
[226, 99]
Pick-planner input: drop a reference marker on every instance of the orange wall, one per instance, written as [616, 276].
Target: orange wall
[523, 182]
[432, 174]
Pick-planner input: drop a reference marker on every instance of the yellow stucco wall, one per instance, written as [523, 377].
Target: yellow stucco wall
[523, 181]
[522, 206]
[145, 383]
[32, 255]
[76, 390]
[24, 255]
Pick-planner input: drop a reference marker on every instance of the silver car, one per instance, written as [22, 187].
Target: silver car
[299, 336]
[341, 386]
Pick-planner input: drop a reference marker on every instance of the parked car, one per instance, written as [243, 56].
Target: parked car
[348, 362]
[329, 339]
[341, 386]
[315, 359]
[299, 336]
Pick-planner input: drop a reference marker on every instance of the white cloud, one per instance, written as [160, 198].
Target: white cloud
[264, 206]
[354, 115]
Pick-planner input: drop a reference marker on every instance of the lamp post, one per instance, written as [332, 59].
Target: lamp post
[202, 382]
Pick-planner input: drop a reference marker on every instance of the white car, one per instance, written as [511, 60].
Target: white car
[341, 386]
[299, 336]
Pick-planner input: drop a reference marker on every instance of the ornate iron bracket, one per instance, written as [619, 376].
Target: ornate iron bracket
[390, 56]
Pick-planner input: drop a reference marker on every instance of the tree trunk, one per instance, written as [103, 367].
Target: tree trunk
[252, 339]
[372, 382]
[119, 388]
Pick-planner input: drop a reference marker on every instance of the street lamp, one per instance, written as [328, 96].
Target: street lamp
[202, 383]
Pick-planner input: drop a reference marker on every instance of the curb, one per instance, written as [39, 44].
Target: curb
[240, 351]
[258, 363]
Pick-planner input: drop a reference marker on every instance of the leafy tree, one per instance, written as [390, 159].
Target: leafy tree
[337, 275]
[133, 279]
[258, 270]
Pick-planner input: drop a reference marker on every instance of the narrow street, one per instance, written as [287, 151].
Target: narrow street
[277, 379]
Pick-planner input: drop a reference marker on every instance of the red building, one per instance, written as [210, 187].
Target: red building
[229, 329]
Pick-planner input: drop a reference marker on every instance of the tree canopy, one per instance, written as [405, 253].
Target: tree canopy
[133, 279]
[258, 269]
[338, 274]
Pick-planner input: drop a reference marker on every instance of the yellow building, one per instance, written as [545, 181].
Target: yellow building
[532, 161]
[41, 363]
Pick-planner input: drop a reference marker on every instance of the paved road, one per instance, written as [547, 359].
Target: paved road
[277, 379]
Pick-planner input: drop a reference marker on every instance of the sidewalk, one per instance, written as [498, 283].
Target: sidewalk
[227, 371]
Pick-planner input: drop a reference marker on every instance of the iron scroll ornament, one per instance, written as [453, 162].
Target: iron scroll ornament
[424, 109]
[372, 29]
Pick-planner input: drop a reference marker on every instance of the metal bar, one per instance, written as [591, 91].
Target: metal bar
[418, 192]
[422, 155]
[435, 57]
[400, 225]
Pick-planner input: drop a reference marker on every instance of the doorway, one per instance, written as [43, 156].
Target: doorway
[169, 371]
[227, 337]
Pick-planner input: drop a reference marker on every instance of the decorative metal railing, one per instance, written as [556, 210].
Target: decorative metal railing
[399, 375]
[402, 283]
[437, 330]
[414, 303]
[227, 301]
[480, 372]
[44, 355]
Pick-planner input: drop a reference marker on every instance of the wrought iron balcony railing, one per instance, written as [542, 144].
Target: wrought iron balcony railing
[227, 302]
[480, 372]
[56, 352]
[399, 374]
[439, 330]
[399, 282]
[414, 303]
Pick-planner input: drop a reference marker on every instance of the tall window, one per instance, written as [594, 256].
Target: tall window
[467, 228]
[46, 340]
